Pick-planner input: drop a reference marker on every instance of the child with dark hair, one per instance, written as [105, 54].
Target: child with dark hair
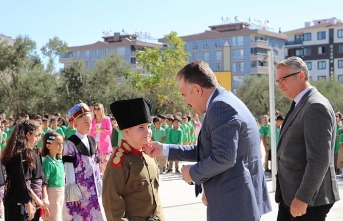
[25, 190]
[54, 173]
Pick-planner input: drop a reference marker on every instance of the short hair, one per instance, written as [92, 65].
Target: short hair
[279, 118]
[156, 119]
[176, 118]
[295, 64]
[198, 72]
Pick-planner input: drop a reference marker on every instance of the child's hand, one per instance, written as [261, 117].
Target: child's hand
[74, 203]
[46, 202]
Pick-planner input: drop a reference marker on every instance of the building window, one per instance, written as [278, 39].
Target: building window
[217, 43]
[321, 65]
[258, 51]
[238, 54]
[195, 45]
[238, 67]
[276, 53]
[322, 78]
[307, 36]
[121, 51]
[307, 51]
[340, 33]
[237, 41]
[237, 80]
[185, 46]
[219, 55]
[298, 52]
[321, 50]
[207, 56]
[133, 60]
[309, 65]
[340, 78]
[340, 63]
[298, 39]
[206, 43]
[340, 48]
[321, 35]
[218, 66]
[87, 54]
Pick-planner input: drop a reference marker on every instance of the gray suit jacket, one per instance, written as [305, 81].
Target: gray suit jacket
[305, 154]
[229, 162]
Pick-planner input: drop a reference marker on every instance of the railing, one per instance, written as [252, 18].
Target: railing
[259, 53]
[70, 54]
[297, 42]
[259, 41]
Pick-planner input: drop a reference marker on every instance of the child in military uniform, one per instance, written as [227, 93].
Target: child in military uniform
[130, 182]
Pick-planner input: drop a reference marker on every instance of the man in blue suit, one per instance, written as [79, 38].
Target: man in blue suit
[229, 166]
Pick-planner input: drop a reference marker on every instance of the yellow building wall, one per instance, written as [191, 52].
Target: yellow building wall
[224, 79]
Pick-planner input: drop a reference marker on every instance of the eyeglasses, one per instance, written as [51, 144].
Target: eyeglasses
[96, 108]
[282, 79]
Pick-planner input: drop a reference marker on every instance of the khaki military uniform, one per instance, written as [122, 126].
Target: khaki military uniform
[130, 186]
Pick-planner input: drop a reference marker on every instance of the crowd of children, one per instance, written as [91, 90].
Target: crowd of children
[53, 166]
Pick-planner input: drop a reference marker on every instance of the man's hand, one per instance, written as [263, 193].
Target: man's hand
[185, 173]
[153, 149]
[203, 198]
[298, 207]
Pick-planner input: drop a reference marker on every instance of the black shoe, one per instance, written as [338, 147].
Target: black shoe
[168, 171]
[177, 171]
[268, 171]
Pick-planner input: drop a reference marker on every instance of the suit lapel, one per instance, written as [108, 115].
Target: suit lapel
[216, 92]
[296, 110]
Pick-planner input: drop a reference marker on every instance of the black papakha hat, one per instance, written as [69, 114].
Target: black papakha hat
[133, 112]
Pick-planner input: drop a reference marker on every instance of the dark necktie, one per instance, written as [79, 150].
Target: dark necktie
[288, 113]
[198, 188]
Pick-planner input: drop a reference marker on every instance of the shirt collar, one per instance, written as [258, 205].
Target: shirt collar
[81, 136]
[301, 94]
[209, 99]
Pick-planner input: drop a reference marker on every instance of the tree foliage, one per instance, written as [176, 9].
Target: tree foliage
[254, 92]
[162, 64]
[51, 50]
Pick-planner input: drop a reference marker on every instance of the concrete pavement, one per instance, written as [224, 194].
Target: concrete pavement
[179, 202]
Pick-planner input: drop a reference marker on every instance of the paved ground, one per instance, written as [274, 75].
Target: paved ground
[179, 202]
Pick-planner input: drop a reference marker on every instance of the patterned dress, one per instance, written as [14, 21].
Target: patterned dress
[86, 177]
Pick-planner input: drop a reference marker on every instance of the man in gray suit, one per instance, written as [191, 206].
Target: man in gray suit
[229, 166]
[306, 187]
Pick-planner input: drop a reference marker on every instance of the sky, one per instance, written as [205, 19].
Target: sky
[80, 22]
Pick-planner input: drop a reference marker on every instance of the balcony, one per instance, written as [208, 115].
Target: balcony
[290, 44]
[259, 70]
[258, 56]
[66, 58]
[259, 44]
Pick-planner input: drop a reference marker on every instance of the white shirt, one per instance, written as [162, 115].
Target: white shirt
[301, 94]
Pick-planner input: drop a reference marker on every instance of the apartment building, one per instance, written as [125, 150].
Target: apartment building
[8, 39]
[125, 45]
[238, 49]
[320, 44]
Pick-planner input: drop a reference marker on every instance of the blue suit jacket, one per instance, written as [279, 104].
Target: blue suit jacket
[229, 162]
